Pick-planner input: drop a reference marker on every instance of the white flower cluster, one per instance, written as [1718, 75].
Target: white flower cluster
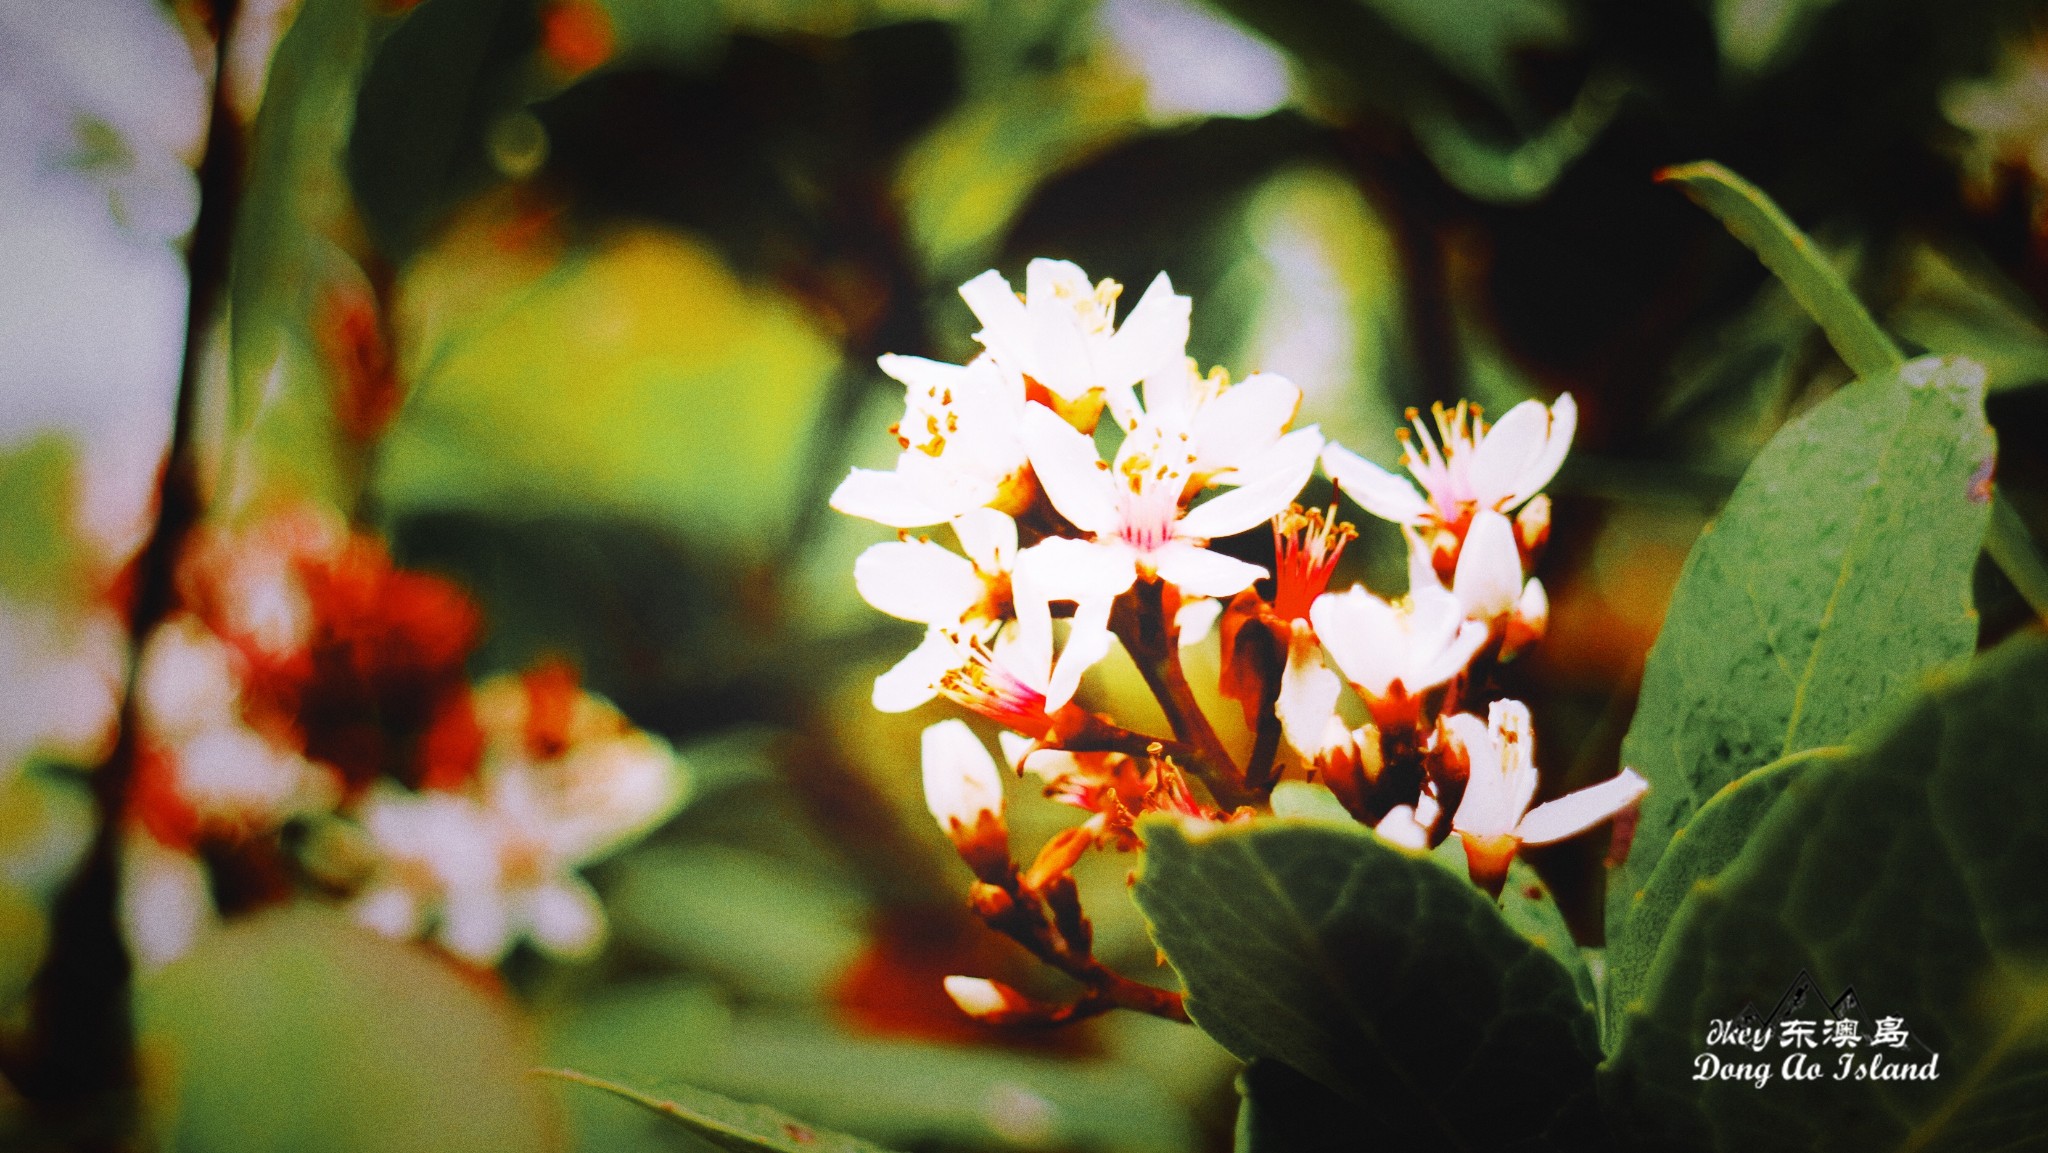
[1004, 451]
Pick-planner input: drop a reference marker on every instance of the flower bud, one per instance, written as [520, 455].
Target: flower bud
[1532, 527]
[1530, 619]
[986, 1000]
[960, 779]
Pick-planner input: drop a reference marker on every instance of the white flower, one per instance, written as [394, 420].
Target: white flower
[918, 580]
[960, 778]
[1134, 509]
[1061, 335]
[960, 448]
[62, 680]
[166, 901]
[1476, 468]
[1494, 818]
[1391, 652]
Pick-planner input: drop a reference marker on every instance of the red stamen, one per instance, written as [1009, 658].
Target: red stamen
[1306, 545]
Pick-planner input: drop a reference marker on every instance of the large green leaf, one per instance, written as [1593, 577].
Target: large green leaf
[1715, 836]
[728, 1124]
[41, 557]
[295, 1030]
[1377, 973]
[1837, 574]
[1908, 869]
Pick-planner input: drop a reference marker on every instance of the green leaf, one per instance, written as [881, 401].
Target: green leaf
[1377, 973]
[1909, 869]
[24, 932]
[1282, 1111]
[295, 1030]
[1791, 256]
[639, 376]
[1697, 854]
[41, 558]
[287, 266]
[726, 1123]
[907, 1093]
[1836, 575]
[1302, 801]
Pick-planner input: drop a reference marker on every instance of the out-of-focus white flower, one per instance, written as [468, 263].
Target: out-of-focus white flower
[1494, 819]
[566, 781]
[960, 447]
[189, 689]
[925, 582]
[1476, 468]
[166, 902]
[2006, 118]
[62, 679]
[248, 581]
[1392, 653]
[1061, 335]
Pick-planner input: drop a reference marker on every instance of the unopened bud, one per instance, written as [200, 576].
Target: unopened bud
[1529, 621]
[986, 1000]
[989, 901]
[1532, 527]
[960, 779]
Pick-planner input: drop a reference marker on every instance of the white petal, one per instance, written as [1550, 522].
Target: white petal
[390, 910]
[1088, 641]
[1451, 659]
[960, 778]
[1401, 827]
[1574, 813]
[566, 918]
[1376, 490]
[917, 581]
[1488, 580]
[1515, 733]
[1056, 293]
[913, 680]
[988, 537]
[1510, 447]
[1016, 747]
[476, 925]
[1064, 569]
[1308, 694]
[1005, 326]
[1533, 610]
[1266, 486]
[1564, 421]
[1070, 470]
[1198, 572]
[1361, 632]
[1152, 337]
[888, 498]
[1232, 429]
[1196, 617]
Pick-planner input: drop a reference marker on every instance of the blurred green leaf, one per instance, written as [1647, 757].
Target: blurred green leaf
[41, 557]
[1523, 170]
[1758, 222]
[1909, 869]
[896, 1092]
[964, 181]
[1379, 974]
[639, 376]
[1966, 308]
[1305, 802]
[46, 822]
[289, 267]
[24, 932]
[1836, 575]
[434, 89]
[1697, 854]
[724, 1122]
[1756, 36]
[766, 927]
[294, 1030]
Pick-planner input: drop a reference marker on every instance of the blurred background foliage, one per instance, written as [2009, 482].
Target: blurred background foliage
[578, 301]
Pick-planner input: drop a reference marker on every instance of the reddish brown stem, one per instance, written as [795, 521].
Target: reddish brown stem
[1148, 634]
